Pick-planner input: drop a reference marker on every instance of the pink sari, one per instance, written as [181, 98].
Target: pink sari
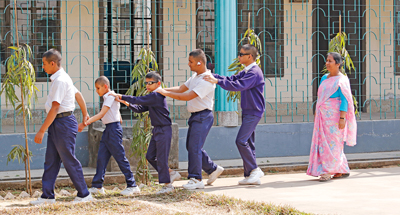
[326, 154]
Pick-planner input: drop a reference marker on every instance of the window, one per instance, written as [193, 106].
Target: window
[267, 22]
[397, 37]
[206, 30]
[39, 26]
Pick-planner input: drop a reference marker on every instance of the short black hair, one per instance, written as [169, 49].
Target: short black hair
[102, 80]
[199, 54]
[153, 75]
[337, 57]
[252, 50]
[53, 55]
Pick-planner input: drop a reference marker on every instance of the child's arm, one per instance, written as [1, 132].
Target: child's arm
[47, 122]
[187, 96]
[134, 108]
[147, 100]
[82, 104]
[98, 116]
[177, 89]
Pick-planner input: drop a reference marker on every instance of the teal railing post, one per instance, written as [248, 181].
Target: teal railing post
[226, 51]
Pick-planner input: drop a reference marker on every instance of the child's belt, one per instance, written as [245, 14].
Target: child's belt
[63, 114]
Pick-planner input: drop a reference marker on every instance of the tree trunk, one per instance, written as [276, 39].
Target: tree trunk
[23, 107]
[26, 176]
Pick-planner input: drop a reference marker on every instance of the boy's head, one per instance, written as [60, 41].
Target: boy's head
[153, 81]
[248, 54]
[197, 60]
[51, 61]
[102, 85]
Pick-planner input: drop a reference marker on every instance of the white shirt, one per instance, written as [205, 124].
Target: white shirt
[204, 90]
[247, 68]
[112, 114]
[62, 91]
[157, 89]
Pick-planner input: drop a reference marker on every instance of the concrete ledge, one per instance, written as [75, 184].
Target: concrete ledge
[294, 139]
[279, 165]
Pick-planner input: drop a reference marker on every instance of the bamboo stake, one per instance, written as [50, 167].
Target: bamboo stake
[146, 121]
[248, 19]
[22, 103]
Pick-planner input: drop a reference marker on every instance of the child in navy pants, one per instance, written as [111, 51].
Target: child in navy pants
[111, 141]
[62, 128]
[199, 95]
[160, 143]
[251, 83]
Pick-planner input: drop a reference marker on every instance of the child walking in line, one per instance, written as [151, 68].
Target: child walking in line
[250, 82]
[199, 95]
[160, 143]
[111, 141]
[62, 128]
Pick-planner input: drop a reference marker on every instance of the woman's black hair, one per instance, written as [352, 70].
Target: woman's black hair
[337, 57]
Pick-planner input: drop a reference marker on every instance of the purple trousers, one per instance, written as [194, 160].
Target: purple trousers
[111, 145]
[61, 148]
[199, 125]
[158, 151]
[245, 142]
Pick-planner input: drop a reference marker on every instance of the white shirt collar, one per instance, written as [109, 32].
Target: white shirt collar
[157, 89]
[57, 74]
[247, 68]
[207, 72]
[108, 93]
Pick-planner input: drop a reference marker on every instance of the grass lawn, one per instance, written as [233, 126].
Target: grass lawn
[147, 202]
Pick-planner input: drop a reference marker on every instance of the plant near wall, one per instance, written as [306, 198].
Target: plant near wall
[252, 38]
[142, 131]
[19, 153]
[20, 74]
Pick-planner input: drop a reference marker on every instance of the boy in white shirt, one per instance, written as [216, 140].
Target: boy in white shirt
[111, 141]
[199, 95]
[62, 127]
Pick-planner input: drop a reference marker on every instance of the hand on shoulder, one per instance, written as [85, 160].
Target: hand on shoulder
[115, 95]
[211, 79]
[162, 91]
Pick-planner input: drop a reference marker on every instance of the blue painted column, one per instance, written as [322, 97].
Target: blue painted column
[226, 51]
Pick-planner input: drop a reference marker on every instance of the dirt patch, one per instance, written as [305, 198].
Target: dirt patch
[147, 202]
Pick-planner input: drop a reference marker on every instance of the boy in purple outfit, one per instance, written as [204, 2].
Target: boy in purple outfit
[160, 143]
[250, 82]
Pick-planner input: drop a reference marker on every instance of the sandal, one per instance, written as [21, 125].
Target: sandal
[325, 178]
[341, 175]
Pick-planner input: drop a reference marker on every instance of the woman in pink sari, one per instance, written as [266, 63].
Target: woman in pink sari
[334, 123]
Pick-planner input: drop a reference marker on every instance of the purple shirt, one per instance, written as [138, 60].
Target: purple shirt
[155, 103]
[251, 84]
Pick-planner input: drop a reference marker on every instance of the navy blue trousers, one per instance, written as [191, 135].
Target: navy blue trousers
[199, 125]
[245, 142]
[61, 148]
[111, 144]
[158, 151]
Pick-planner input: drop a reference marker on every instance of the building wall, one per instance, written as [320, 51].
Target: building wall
[179, 38]
[80, 49]
[293, 139]
[379, 36]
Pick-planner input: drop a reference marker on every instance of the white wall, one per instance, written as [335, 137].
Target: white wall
[178, 41]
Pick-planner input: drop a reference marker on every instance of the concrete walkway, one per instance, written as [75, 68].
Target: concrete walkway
[366, 191]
